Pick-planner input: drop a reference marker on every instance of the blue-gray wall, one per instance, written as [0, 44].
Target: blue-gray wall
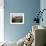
[29, 8]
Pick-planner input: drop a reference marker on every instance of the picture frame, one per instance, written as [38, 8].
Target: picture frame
[16, 18]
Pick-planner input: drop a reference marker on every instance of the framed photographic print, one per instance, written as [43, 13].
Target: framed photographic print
[16, 18]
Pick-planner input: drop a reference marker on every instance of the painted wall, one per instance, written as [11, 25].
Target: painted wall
[1, 20]
[29, 8]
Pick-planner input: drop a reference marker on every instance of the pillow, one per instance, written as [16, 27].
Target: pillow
[28, 40]
[21, 42]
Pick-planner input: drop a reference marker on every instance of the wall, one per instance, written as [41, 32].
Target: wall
[43, 6]
[1, 20]
[28, 7]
